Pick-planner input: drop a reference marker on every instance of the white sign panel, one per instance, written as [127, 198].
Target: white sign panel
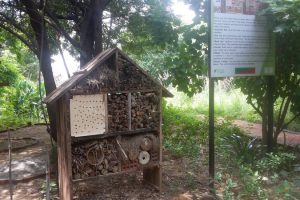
[241, 44]
[87, 115]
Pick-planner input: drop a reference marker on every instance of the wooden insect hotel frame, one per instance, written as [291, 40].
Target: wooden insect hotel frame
[109, 122]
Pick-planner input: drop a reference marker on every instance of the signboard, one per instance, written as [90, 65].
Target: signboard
[241, 43]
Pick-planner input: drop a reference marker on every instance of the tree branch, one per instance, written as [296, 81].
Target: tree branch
[21, 38]
[256, 108]
[279, 113]
[78, 5]
[291, 120]
[18, 27]
[282, 117]
[59, 28]
[69, 17]
[105, 3]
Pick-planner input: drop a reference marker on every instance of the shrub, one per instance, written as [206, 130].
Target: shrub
[275, 162]
[183, 132]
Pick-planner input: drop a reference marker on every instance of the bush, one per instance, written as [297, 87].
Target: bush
[183, 131]
[244, 149]
[9, 72]
[275, 162]
[20, 104]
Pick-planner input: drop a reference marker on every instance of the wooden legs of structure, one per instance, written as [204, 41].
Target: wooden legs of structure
[152, 176]
[64, 154]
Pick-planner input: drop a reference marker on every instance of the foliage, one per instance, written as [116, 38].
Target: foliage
[84, 28]
[9, 71]
[242, 159]
[183, 132]
[244, 149]
[275, 162]
[182, 61]
[228, 193]
[252, 183]
[15, 52]
[230, 103]
[284, 14]
[20, 104]
[284, 21]
[244, 171]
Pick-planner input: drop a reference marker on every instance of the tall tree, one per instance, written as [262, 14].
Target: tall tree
[85, 27]
[182, 61]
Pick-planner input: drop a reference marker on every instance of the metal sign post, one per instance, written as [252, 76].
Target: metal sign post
[211, 131]
[211, 135]
[239, 45]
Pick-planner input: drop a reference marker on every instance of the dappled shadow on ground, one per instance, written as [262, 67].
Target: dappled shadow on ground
[23, 191]
[183, 178]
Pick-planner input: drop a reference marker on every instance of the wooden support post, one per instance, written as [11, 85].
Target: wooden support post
[106, 113]
[153, 176]
[64, 152]
[117, 65]
[129, 111]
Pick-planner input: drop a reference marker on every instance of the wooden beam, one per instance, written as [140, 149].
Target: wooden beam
[113, 134]
[106, 112]
[153, 175]
[64, 152]
[83, 92]
[129, 111]
[117, 66]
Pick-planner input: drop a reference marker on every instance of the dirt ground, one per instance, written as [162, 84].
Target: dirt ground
[183, 179]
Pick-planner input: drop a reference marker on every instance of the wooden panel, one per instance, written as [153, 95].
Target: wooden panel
[87, 114]
[64, 152]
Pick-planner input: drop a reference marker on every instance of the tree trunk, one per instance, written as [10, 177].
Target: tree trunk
[36, 21]
[264, 122]
[91, 32]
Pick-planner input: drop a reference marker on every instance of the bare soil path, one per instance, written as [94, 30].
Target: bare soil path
[26, 163]
[290, 138]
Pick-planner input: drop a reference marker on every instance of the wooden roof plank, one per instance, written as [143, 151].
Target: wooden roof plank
[58, 92]
[90, 66]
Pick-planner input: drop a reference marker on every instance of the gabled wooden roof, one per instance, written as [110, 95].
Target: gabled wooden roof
[89, 67]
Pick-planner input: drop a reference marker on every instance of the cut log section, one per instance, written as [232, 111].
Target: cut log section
[112, 155]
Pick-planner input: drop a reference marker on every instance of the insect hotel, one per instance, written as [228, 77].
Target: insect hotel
[109, 121]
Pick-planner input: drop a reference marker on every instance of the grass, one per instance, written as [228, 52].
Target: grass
[184, 132]
[244, 170]
[230, 104]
